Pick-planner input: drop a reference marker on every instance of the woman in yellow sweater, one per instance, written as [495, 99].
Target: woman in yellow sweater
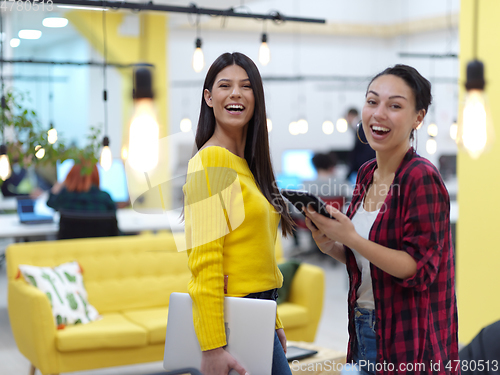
[232, 209]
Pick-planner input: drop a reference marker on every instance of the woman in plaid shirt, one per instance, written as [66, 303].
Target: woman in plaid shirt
[396, 241]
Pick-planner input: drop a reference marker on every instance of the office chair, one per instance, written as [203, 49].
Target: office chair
[81, 224]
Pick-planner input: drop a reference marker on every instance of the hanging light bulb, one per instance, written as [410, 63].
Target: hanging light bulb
[5, 170]
[431, 146]
[52, 136]
[293, 128]
[198, 58]
[106, 158]
[269, 125]
[302, 126]
[264, 51]
[144, 130]
[186, 125]
[475, 130]
[39, 152]
[432, 130]
[342, 125]
[328, 127]
[124, 153]
[454, 130]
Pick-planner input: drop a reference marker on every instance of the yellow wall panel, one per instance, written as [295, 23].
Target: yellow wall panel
[478, 229]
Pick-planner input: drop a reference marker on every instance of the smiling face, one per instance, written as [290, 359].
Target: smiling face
[231, 98]
[389, 114]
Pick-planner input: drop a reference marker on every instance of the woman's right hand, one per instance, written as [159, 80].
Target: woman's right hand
[219, 362]
[325, 244]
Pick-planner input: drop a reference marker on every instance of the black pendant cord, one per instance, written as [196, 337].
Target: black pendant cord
[51, 100]
[3, 103]
[104, 76]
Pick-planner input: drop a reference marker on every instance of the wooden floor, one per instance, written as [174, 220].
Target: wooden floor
[332, 332]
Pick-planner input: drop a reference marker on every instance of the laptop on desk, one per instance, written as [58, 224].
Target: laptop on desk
[27, 213]
[250, 325]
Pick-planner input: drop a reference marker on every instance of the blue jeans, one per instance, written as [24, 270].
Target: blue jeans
[280, 363]
[365, 353]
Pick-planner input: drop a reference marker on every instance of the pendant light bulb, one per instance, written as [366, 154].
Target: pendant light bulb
[475, 130]
[198, 58]
[39, 152]
[431, 146]
[106, 157]
[5, 170]
[302, 126]
[269, 125]
[293, 128]
[454, 131]
[144, 133]
[432, 130]
[186, 125]
[52, 136]
[342, 125]
[124, 153]
[264, 51]
[327, 127]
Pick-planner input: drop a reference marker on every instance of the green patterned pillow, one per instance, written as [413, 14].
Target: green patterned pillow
[64, 288]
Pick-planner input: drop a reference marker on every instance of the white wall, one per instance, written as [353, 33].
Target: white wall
[317, 55]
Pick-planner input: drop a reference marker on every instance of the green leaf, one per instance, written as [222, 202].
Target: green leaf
[72, 301]
[70, 278]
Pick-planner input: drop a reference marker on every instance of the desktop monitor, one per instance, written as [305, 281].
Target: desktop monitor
[298, 163]
[113, 181]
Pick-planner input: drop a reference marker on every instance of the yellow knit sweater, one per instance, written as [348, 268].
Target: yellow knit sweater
[231, 232]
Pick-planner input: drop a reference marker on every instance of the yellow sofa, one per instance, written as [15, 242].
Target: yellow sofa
[129, 281]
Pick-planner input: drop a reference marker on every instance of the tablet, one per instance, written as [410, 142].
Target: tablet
[301, 199]
[295, 353]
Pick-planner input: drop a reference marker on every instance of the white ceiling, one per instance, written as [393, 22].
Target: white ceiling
[338, 13]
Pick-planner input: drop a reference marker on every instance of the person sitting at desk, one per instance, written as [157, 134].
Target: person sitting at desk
[18, 184]
[80, 192]
[326, 184]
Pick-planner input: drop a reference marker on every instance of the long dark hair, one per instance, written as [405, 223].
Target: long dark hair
[257, 142]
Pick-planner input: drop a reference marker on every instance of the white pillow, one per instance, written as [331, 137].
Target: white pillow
[64, 287]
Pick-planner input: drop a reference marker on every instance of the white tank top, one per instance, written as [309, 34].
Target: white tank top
[363, 222]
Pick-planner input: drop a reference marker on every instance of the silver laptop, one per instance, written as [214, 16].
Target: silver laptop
[250, 325]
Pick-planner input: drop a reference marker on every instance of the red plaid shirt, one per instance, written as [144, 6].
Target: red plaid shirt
[416, 318]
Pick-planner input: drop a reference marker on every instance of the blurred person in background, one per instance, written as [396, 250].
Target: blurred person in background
[20, 183]
[80, 191]
[362, 152]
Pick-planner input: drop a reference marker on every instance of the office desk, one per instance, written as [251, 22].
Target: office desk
[129, 221]
[8, 204]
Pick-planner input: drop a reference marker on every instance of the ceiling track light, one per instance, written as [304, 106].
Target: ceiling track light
[192, 9]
